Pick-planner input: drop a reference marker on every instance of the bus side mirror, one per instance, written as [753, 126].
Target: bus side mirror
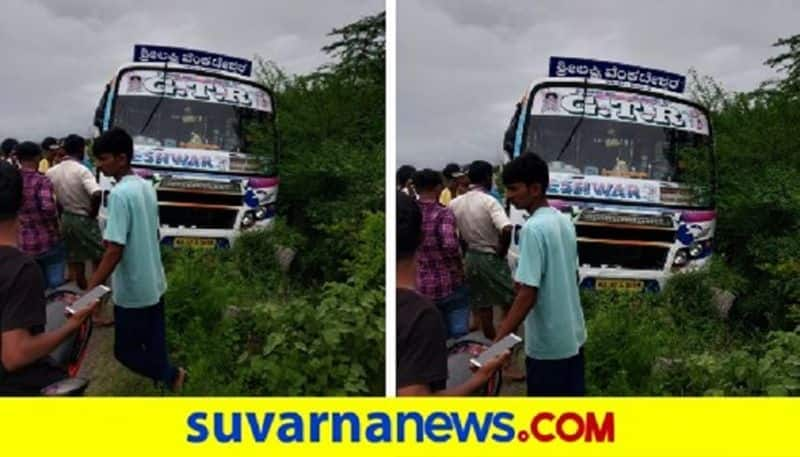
[100, 111]
[511, 133]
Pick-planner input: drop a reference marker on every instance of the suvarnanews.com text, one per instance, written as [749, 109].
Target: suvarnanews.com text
[398, 427]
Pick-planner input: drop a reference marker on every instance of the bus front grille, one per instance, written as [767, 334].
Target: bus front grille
[599, 254]
[199, 218]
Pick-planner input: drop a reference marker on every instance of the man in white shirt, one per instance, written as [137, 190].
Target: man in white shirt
[486, 229]
[78, 195]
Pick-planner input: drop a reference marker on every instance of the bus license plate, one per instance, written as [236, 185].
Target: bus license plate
[198, 243]
[633, 285]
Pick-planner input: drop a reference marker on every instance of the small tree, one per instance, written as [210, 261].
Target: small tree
[332, 130]
[787, 62]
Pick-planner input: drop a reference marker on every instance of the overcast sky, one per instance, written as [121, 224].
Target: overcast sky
[56, 56]
[462, 65]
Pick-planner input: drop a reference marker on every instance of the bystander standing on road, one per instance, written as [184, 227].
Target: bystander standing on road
[39, 235]
[78, 195]
[133, 260]
[547, 298]
[440, 272]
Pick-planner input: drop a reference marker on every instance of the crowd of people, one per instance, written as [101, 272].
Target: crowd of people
[453, 235]
[49, 203]
[58, 218]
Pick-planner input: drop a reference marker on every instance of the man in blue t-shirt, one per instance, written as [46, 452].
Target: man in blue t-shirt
[547, 297]
[134, 256]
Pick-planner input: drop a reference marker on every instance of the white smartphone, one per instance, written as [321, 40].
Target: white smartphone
[496, 349]
[95, 294]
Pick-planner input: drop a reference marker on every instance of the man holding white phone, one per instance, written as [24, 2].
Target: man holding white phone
[25, 367]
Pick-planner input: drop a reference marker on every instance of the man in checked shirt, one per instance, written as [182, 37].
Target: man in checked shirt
[39, 236]
[440, 273]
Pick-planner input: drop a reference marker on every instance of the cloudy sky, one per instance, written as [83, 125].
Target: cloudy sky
[462, 65]
[56, 56]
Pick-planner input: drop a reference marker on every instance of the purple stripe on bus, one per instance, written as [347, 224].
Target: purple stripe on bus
[260, 183]
[698, 216]
[143, 172]
[558, 204]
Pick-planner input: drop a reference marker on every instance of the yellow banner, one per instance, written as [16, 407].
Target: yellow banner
[149, 427]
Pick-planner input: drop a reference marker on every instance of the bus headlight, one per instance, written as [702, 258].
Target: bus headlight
[260, 213]
[681, 258]
[247, 221]
[696, 249]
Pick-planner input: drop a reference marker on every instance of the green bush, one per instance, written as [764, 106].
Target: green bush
[671, 343]
[332, 128]
[367, 268]
[771, 367]
[758, 204]
[202, 287]
[233, 324]
[325, 345]
[625, 335]
[254, 253]
[688, 296]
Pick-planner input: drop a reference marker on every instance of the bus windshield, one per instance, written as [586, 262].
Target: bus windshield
[615, 133]
[187, 110]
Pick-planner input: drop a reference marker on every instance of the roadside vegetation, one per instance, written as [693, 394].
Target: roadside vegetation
[677, 342]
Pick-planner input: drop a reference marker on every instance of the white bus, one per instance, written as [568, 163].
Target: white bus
[616, 152]
[193, 117]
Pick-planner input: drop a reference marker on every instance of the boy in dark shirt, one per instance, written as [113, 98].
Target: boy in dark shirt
[421, 334]
[25, 367]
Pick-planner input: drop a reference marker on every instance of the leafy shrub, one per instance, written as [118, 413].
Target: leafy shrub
[664, 344]
[771, 367]
[758, 204]
[254, 253]
[237, 336]
[780, 366]
[201, 285]
[329, 345]
[777, 267]
[336, 186]
[332, 128]
[625, 336]
[368, 265]
[688, 295]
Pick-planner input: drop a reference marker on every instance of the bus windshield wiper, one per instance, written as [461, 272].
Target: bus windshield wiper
[577, 123]
[158, 103]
